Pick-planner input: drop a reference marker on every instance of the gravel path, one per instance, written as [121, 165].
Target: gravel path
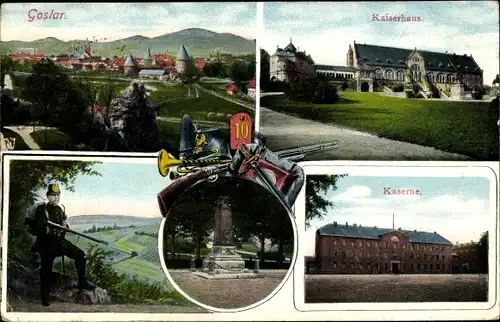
[285, 132]
[24, 133]
[228, 294]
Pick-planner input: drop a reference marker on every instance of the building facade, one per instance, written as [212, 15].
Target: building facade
[367, 65]
[353, 249]
[289, 63]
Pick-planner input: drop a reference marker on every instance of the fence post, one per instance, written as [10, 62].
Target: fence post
[193, 263]
[256, 267]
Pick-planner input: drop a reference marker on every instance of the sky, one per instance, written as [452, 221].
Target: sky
[325, 30]
[457, 208]
[120, 20]
[128, 189]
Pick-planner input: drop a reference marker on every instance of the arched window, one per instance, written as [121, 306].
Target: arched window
[440, 78]
[389, 74]
[378, 73]
[432, 77]
[416, 73]
[400, 75]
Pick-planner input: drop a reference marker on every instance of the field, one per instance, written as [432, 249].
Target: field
[122, 242]
[395, 288]
[468, 128]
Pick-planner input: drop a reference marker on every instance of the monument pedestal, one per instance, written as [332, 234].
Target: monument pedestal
[224, 262]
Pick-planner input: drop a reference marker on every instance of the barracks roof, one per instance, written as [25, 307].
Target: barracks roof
[396, 57]
[352, 231]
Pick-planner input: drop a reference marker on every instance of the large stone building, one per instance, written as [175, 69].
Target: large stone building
[369, 65]
[289, 63]
[354, 249]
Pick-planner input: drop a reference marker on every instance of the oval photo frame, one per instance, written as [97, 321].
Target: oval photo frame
[161, 236]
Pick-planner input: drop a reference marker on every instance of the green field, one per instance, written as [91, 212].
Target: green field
[174, 101]
[124, 241]
[468, 128]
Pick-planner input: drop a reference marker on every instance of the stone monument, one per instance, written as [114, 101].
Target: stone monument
[224, 262]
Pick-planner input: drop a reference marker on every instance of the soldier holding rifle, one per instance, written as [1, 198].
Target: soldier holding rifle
[50, 242]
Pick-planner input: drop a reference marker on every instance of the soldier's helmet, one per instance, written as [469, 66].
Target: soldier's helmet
[202, 143]
[53, 189]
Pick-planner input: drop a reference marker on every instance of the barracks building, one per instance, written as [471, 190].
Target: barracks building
[354, 249]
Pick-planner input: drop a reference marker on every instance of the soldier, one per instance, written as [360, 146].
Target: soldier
[50, 243]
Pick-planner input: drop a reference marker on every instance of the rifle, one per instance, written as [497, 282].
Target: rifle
[66, 229]
[297, 154]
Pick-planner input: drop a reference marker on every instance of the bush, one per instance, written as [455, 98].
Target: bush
[311, 90]
[121, 287]
[398, 88]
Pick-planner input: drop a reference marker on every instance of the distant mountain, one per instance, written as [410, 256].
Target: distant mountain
[198, 42]
[81, 223]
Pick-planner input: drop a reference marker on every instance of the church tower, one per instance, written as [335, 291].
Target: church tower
[350, 57]
[130, 67]
[182, 60]
[148, 60]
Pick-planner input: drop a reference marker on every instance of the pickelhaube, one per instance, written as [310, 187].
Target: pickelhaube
[202, 143]
[53, 189]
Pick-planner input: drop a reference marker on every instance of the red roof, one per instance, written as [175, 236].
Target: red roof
[98, 110]
[232, 87]
[253, 82]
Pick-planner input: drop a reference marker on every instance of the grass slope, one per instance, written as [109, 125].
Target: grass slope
[467, 128]
[122, 242]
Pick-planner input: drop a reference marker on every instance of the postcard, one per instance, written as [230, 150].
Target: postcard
[386, 81]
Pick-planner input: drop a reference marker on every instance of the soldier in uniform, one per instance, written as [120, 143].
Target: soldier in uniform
[50, 243]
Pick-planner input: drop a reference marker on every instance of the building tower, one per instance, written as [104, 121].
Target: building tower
[130, 67]
[182, 60]
[350, 57]
[148, 60]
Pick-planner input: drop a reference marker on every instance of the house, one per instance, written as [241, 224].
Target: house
[252, 88]
[153, 73]
[232, 89]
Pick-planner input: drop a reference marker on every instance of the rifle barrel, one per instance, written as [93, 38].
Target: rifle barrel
[303, 151]
[97, 240]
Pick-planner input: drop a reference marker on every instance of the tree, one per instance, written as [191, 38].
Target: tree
[47, 89]
[325, 93]
[6, 65]
[241, 72]
[316, 203]
[344, 86]
[483, 251]
[265, 69]
[496, 80]
[26, 178]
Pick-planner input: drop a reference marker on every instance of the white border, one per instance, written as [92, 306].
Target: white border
[398, 311]
[260, 34]
[214, 309]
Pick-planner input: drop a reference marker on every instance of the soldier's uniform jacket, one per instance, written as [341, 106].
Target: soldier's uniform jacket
[48, 237]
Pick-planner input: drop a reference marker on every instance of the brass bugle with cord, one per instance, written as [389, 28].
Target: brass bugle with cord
[166, 162]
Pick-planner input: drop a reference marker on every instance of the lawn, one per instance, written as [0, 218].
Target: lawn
[468, 128]
[175, 102]
[19, 144]
[52, 140]
[144, 269]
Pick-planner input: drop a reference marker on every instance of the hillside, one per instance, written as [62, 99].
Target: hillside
[81, 223]
[198, 42]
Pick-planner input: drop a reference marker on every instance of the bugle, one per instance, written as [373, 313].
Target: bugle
[166, 162]
[168, 196]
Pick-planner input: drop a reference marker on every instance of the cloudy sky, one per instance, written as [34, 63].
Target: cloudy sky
[120, 20]
[128, 189]
[456, 208]
[325, 30]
